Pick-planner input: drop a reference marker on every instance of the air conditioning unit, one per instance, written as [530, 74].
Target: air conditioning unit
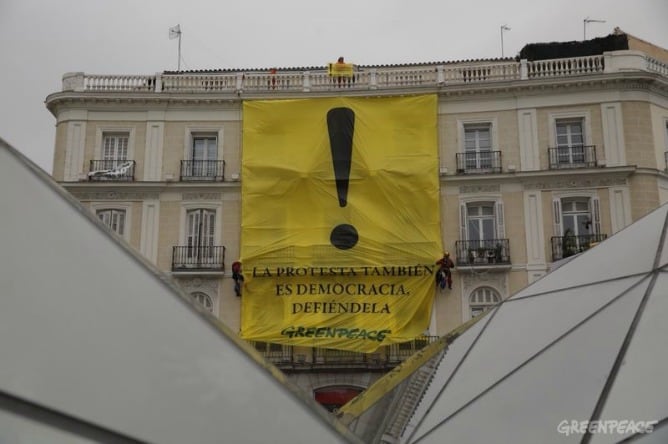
[444, 170]
[511, 168]
[234, 177]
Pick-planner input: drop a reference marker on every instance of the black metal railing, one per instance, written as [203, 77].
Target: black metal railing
[207, 170]
[274, 353]
[483, 252]
[665, 156]
[198, 258]
[574, 156]
[109, 170]
[479, 162]
[565, 246]
[289, 357]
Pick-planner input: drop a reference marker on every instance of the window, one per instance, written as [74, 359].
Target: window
[665, 154]
[115, 146]
[577, 225]
[570, 141]
[204, 156]
[200, 234]
[114, 219]
[576, 216]
[478, 151]
[482, 299]
[204, 300]
[478, 145]
[482, 234]
[481, 221]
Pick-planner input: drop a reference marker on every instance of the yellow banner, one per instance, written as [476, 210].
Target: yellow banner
[340, 69]
[340, 220]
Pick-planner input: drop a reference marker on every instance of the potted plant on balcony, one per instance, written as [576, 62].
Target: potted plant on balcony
[498, 252]
[569, 245]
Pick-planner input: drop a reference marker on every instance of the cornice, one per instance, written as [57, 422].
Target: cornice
[636, 81]
[138, 191]
[542, 180]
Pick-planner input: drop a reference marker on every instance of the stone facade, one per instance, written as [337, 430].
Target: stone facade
[624, 117]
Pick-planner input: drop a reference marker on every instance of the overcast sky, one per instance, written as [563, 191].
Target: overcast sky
[40, 40]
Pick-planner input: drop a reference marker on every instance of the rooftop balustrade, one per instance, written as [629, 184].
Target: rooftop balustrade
[428, 75]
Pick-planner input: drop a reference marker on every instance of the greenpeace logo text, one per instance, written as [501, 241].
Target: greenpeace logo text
[334, 332]
[609, 426]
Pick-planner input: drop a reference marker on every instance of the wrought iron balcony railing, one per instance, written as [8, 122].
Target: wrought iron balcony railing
[479, 162]
[199, 258]
[288, 357]
[565, 246]
[112, 170]
[205, 170]
[482, 252]
[574, 156]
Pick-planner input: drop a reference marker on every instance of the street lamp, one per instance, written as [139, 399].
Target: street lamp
[584, 26]
[503, 28]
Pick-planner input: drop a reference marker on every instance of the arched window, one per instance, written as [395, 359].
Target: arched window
[203, 299]
[482, 299]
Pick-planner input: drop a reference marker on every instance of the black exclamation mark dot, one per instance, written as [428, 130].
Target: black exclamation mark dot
[341, 125]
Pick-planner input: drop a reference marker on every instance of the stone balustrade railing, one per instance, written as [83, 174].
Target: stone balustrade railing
[657, 66]
[371, 78]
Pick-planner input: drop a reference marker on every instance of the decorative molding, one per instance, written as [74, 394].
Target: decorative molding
[472, 281]
[114, 195]
[201, 196]
[190, 284]
[589, 182]
[479, 189]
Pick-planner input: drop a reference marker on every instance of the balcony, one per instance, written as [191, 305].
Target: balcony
[112, 170]
[483, 253]
[203, 170]
[202, 258]
[479, 162]
[575, 156]
[288, 357]
[565, 246]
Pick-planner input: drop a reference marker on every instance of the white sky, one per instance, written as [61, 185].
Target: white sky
[40, 40]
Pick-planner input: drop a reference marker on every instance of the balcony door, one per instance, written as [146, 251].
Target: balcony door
[204, 156]
[478, 146]
[115, 148]
[577, 222]
[200, 234]
[570, 141]
[481, 229]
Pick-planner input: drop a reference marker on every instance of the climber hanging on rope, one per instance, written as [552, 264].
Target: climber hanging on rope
[237, 276]
[444, 273]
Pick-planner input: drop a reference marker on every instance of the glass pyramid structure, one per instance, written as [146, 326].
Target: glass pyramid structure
[97, 345]
[578, 356]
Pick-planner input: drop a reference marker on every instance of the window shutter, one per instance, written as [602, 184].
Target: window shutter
[462, 222]
[556, 209]
[595, 215]
[500, 226]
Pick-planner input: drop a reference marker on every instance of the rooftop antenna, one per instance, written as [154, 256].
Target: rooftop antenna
[503, 28]
[175, 32]
[584, 26]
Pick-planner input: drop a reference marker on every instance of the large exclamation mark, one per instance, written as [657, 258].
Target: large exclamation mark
[341, 125]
